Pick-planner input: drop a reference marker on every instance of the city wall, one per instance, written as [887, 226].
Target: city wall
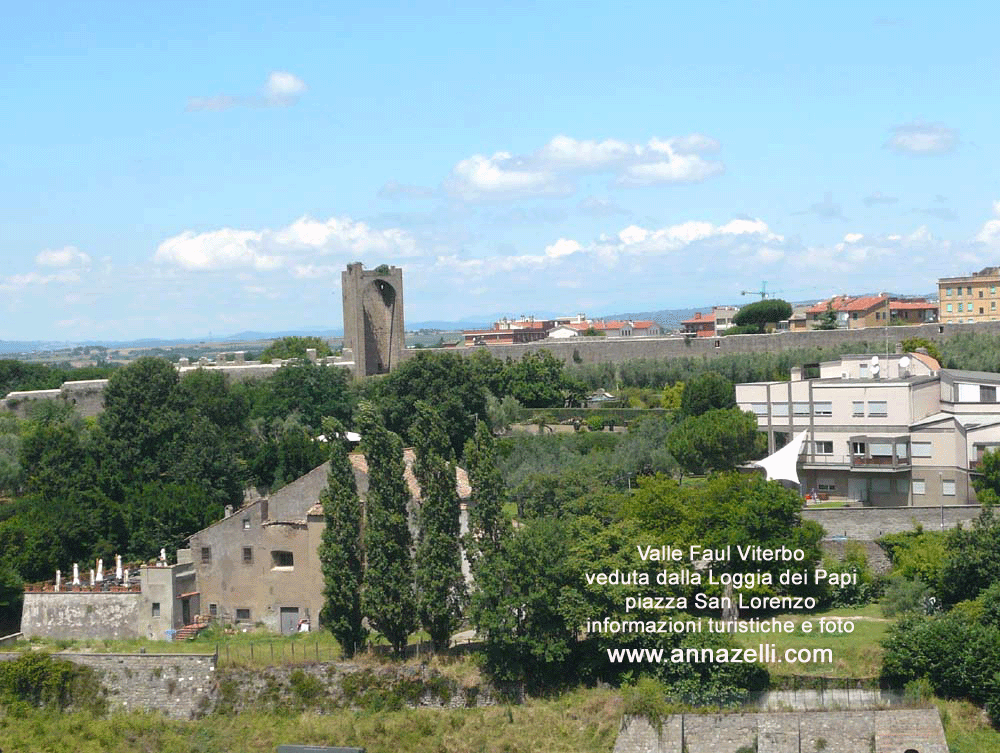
[841, 731]
[617, 349]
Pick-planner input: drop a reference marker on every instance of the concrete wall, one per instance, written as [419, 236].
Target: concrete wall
[182, 686]
[868, 523]
[893, 731]
[80, 616]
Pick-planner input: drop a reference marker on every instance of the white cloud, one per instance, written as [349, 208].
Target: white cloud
[922, 138]
[68, 256]
[291, 246]
[284, 85]
[990, 232]
[562, 247]
[501, 176]
[282, 89]
[551, 170]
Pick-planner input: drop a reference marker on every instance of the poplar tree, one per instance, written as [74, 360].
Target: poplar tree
[340, 552]
[387, 597]
[439, 581]
[488, 526]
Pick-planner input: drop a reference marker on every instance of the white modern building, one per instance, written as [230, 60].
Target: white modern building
[882, 430]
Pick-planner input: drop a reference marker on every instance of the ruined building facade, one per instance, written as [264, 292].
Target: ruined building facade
[373, 317]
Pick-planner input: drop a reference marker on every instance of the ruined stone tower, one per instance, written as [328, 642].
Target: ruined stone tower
[373, 317]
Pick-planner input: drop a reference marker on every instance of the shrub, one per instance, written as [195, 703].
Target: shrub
[39, 680]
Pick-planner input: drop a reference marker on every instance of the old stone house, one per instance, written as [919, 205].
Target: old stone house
[261, 563]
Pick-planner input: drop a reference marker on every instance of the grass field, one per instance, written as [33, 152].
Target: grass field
[857, 654]
[583, 721]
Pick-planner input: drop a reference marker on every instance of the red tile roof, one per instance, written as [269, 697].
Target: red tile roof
[699, 319]
[866, 303]
[913, 305]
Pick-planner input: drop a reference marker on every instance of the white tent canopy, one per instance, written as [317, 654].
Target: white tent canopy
[781, 465]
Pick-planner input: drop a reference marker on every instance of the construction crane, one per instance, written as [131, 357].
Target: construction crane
[764, 293]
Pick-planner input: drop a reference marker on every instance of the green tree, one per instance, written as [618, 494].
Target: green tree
[762, 313]
[972, 562]
[709, 391]
[387, 597]
[452, 383]
[11, 598]
[312, 392]
[718, 440]
[440, 584]
[910, 345]
[528, 606]
[987, 482]
[340, 552]
[828, 319]
[295, 347]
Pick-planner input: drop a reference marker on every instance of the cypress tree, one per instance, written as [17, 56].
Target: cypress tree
[439, 581]
[340, 551]
[387, 597]
[488, 526]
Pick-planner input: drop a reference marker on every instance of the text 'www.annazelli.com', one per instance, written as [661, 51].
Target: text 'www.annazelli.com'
[765, 652]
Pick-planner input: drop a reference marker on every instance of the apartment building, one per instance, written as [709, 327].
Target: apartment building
[884, 431]
[972, 298]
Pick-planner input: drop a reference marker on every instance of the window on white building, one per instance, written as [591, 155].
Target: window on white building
[823, 409]
[826, 485]
[878, 408]
[759, 409]
[948, 488]
[858, 409]
[919, 486]
[921, 449]
[779, 409]
[824, 447]
[800, 409]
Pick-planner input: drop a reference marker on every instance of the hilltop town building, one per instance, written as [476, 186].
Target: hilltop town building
[972, 298]
[883, 431]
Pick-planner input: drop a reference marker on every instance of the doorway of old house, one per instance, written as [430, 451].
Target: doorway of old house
[289, 620]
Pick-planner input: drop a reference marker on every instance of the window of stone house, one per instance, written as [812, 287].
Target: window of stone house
[282, 559]
[960, 307]
[919, 486]
[948, 308]
[980, 293]
[947, 291]
[948, 487]
[247, 554]
[243, 614]
[156, 609]
[213, 610]
[206, 555]
[968, 290]
[246, 524]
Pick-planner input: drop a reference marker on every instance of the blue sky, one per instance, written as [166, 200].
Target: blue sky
[171, 170]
